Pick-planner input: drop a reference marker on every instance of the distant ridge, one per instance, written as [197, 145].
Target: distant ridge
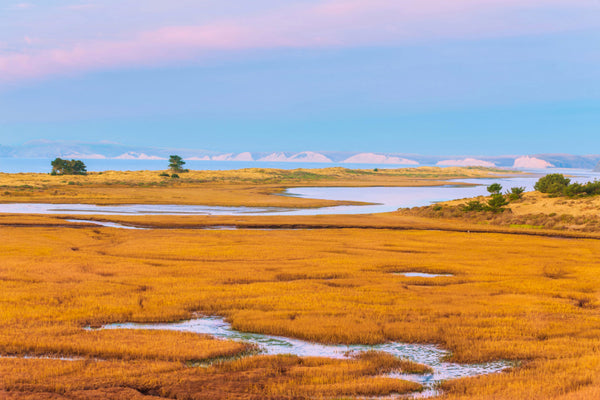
[109, 150]
[467, 162]
[101, 150]
[531, 162]
[372, 158]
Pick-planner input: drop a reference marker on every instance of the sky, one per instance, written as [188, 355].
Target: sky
[398, 76]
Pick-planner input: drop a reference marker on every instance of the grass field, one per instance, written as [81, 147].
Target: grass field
[512, 297]
[521, 292]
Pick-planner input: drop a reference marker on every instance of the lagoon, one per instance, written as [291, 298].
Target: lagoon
[381, 199]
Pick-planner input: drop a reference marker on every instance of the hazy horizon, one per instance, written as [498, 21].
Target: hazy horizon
[105, 154]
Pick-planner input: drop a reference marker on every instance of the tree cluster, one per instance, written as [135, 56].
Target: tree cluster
[558, 185]
[497, 201]
[554, 184]
[68, 167]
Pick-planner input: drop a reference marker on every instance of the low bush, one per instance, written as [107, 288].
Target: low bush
[473, 205]
[496, 203]
[516, 193]
[553, 184]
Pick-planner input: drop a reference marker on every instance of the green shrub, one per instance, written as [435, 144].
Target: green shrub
[516, 193]
[473, 205]
[494, 188]
[587, 189]
[67, 167]
[558, 185]
[496, 203]
[554, 184]
[574, 189]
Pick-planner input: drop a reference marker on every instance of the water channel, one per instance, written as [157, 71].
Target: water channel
[383, 199]
[426, 354]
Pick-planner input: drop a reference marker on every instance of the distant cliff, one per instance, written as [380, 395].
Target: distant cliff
[597, 169]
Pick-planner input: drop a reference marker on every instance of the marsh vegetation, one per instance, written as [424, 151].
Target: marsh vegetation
[528, 300]
[557, 204]
[507, 300]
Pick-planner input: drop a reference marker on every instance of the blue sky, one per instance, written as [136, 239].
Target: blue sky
[427, 76]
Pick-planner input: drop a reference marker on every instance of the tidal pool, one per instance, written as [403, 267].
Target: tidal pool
[420, 274]
[103, 223]
[121, 226]
[27, 357]
[422, 353]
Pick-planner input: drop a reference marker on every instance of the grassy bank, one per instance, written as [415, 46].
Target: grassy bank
[534, 211]
[247, 187]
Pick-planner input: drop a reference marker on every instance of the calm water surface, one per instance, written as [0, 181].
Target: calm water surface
[420, 274]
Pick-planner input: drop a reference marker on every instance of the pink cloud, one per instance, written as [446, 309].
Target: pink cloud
[86, 6]
[333, 23]
[22, 6]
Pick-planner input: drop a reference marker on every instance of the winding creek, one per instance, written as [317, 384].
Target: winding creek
[429, 355]
[382, 199]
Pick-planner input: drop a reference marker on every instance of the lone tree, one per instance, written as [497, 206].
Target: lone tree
[497, 200]
[176, 163]
[68, 167]
[494, 188]
[496, 203]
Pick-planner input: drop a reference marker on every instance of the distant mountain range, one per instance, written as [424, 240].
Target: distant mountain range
[109, 150]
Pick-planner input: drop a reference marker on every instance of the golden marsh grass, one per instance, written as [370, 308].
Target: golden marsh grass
[525, 298]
